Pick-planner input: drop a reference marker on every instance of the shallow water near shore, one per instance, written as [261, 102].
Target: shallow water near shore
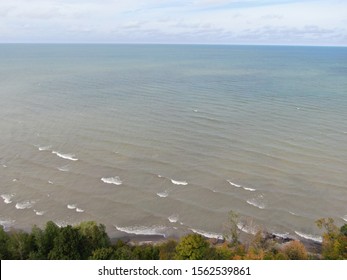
[166, 140]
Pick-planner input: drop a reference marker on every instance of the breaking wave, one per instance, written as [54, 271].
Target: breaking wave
[112, 180]
[142, 230]
[65, 156]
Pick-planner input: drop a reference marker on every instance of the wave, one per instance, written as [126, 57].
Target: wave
[63, 168]
[4, 165]
[25, 204]
[7, 198]
[65, 156]
[344, 218]
[112, 180]
[207, 234]
[142, 230]
[14, 180]
[240, 186]
[315, 238]
[247, 228]
[163, 194]
[71, 206]
[39, 213]
[50, 182]
[7, 224]
[183, 183]
[281, 235]
[255, 203]
[173, 218]
[44, 148]
[79, 210]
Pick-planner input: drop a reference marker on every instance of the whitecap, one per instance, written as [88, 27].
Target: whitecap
[233, 184]
[7, 198]
[112, 180]
[39, 213]
[14, 180]
[160, 176]
[281, 235]
[4, 165]
[249, 189]
[44, 148]
[344, 218]
[195, 111]
[50, 182]
[65, 156]
[7, 224]
[71, 206]
[142, 230]
[247, 228]
[315, 238]
[207, 234]
[183, 183]
[240, 186]
[173, 218]
[163, 194]
[63, 168]
[255, 203]
[79, 210]
[25, 204]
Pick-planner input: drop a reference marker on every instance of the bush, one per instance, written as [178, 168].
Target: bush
[295, 250]
[192, 247]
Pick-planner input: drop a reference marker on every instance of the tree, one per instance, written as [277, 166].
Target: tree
[102, 254]
[334, 244]
[4, 240]
[295, 250]
[69, 245]
[192, 247]
[167, 250]
[233, 231]
[95, 235]
[19, 245]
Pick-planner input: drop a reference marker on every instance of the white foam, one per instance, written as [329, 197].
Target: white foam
[207, 234]
[312, 237]
[71, 206]
[7, 198]
[195, 111]
[183, 183]
[247, 228]
[173, 218]
[233, 184]
[112, 180]
[142, 230]
[44, 148]
[281, 235]
[39, 213]
[163, 194]
[240, 186]
[160, 176]
[25, 204]
[249, 189]
[50, 182]
[15, 180]
[79, 210]
[63, 168]
[344, 218]
[255, 203]
[4, 165]
[65, 156]
[6, 223]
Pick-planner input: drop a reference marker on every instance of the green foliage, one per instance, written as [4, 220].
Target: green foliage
[4, 241]
[124, 253]
[146, 252]
[167, 250]
[192, 247]
[19, 245]
[95, 236]
[69, 245]
[334, 240]
[343, 230]
[102, 254]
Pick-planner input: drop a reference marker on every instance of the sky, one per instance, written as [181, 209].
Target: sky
[255, 22]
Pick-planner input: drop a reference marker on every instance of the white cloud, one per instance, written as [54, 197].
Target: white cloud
[175, 21]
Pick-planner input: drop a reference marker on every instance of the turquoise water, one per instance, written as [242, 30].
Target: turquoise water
[167, 139]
